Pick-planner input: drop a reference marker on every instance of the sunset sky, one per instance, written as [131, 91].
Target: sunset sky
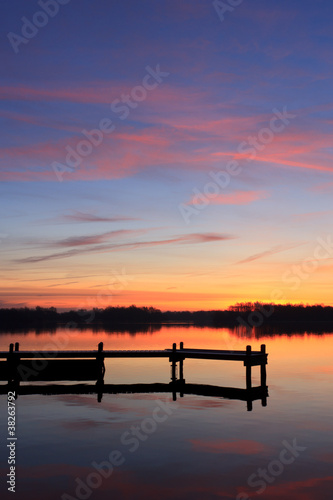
[208, 178]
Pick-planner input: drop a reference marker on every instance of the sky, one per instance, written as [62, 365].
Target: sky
[171, 153]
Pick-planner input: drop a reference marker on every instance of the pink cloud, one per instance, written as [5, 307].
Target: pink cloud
[235, 198]
[119, 155]
[291, 163]
[178, 121]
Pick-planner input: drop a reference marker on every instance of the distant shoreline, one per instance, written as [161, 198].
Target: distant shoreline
[247, 315]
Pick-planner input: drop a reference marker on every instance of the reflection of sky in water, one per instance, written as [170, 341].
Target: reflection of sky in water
[206, 448]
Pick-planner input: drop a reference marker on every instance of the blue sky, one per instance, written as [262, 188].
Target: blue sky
[66, 233]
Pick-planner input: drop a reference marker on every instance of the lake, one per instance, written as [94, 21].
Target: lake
[148, 446]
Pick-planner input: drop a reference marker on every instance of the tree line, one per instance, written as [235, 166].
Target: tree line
[110, 317]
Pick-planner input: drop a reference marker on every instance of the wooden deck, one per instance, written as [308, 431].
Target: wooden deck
[248, 356]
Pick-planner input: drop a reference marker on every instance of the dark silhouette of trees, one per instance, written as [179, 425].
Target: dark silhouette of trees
[304, 317]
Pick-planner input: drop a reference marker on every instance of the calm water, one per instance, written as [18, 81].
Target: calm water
[197, 447]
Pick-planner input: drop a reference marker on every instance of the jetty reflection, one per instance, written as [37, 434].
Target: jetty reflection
[30, 366]
[174, 388]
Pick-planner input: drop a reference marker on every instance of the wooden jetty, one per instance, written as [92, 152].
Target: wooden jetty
[32, 366]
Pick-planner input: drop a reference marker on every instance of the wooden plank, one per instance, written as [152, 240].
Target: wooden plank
[132, 354]
[249, 357]
[220, 351]
[85, 354]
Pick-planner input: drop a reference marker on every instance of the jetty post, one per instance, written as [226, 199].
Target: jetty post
[248, 368]
[177, 356]
[173, 360]
[263, 375]
[181, 370]
[13, 361]
[181, 364]
[17, 362]
[100, 371]
[248, 376]
[10, 363]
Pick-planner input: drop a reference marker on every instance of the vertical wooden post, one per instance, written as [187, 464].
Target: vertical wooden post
[100, 392]
[263, 367]
[181, 371]
[17, 362]
[248, 368]
[11, 364]
[173, 370]
[249, 377]
[181, 377]
[263, 376]
[100, 372]
[173, 362]
[249, 405]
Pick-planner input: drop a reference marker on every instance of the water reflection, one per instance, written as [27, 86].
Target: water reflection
[209, 447]
[287, 328]
[174, 388]
[127, 328]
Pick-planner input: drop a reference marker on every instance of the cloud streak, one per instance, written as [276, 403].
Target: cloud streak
[194, 238]
[84, 217]
[267, 253]
[95, 239]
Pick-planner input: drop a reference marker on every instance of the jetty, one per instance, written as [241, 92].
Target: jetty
[82, 365]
